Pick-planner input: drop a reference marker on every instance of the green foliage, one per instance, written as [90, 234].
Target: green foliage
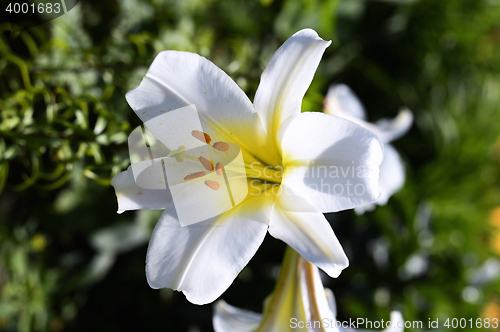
[68, 262]
[25, 286]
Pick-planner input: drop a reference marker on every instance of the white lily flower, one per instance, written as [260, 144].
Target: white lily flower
[298, 303]
[342, 102]
[279, 144]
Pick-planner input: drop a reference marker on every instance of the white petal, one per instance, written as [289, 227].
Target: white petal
[229, 319]
[132, 197]
[341, 101]
[360, 210]
[203, 259]
[178, 79]
[392, 129]
[287, 78]
[323, 301]
[397, 322]
[331, 301]
[302, 227]
[332, 162]
[392, 174]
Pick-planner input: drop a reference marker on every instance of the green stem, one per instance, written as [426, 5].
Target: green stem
[287, 278]
[311, 294]
[286, 300]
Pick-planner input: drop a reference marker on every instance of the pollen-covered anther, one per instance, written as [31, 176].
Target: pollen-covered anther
[219, 168]
[221, 146]
[199, 135]
[214, 185]
[195, 175]
[206, 163]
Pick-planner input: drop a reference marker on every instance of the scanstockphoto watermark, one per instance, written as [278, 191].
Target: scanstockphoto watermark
[336, 189]
[360, 323]
[334, 180]
[312, 171]
[431, 324]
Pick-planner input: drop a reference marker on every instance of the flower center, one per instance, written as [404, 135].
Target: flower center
[264, 173]
[258, 173]
[219, 169]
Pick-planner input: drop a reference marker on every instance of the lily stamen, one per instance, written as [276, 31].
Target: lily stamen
[219, 169]
[221, 146]
[206, 163]
[199, 135]
[214, 185]
[195, 175]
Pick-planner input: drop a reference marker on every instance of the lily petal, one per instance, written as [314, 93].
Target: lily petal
[331, 161]
[319, 301]
[391, 180]
[203, 259]
[132, 197]
[360, 210]
[296, 222]
[287, 77]
[392, 174]
[392, 129]
[330, 297]
[341, 101]
[179, 79]
[229, 319]
[397, 322]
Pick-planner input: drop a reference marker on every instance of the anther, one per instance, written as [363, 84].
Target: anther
[204, 137]
[219, 168]
[214, 185]
[221, 146]
[206, 163]
[195, 175]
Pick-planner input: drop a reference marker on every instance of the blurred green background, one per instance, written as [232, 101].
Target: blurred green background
[68, 262]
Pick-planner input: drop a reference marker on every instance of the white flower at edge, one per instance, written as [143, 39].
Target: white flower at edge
[203, 259]
[228, 318]
[298, 301]
[342, 102]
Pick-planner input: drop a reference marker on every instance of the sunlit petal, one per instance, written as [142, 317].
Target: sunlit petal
[330, 161]
[341, 101]
[229, 319]
[296, 222]
[132, 197]
[287, 78]
[178, 79]
[203, 259]
[392, 174]
[392, 129]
